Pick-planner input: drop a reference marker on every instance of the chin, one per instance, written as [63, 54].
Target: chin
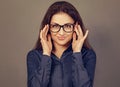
[63, 43]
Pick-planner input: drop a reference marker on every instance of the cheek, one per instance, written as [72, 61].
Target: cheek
[53, 35]
[70, 36]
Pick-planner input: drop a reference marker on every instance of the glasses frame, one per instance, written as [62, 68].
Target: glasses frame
[62, 26]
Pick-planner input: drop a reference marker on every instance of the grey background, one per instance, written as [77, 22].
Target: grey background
[19, 27]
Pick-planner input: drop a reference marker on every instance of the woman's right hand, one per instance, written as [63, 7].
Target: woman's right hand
[46, 40]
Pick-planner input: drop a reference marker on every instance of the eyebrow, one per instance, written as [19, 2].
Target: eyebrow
[59, 24]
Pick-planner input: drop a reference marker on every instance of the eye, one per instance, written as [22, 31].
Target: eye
[54, 26]
[68, 26]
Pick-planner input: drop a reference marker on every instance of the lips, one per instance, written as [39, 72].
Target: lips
[61, 38]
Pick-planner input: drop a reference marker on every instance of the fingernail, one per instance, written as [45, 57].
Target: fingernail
[47, 25]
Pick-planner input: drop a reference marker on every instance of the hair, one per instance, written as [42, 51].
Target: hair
[68, 8]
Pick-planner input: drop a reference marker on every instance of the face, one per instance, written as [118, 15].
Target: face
[61, 37]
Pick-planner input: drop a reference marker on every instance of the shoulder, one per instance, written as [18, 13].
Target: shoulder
[34, 54]
[88, 54]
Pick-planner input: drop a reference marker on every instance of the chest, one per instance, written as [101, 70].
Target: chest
[61, 72]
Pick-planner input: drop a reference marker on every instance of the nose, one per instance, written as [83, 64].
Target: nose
[61, 32]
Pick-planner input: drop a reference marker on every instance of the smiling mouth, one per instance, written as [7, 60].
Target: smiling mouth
[61, 38]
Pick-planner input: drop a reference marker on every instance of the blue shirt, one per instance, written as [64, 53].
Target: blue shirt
[71, 70]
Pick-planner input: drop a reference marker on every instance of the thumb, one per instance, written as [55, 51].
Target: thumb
[74, 36]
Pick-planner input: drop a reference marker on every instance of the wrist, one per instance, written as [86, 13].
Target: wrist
[75, 51]
[47, 53]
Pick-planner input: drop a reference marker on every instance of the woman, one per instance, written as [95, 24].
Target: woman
[62, 56]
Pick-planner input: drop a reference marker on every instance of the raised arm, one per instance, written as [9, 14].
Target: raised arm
[39, 67]
[84, 68]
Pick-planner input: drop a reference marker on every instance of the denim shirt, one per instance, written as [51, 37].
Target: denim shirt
[71, 70]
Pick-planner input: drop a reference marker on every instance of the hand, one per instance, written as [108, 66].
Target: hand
[78, 38]
[46, 40]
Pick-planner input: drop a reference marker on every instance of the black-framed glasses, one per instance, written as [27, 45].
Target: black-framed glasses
[66, 27]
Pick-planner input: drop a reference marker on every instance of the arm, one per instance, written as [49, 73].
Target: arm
[84, 68]
[38, 67]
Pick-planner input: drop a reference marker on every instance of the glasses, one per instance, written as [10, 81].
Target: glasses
[66, 27]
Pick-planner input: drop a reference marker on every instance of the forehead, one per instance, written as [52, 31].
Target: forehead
[61, 18]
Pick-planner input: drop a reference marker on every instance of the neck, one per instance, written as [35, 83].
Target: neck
[58, 50]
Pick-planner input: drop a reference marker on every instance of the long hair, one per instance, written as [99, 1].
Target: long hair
[66, 7]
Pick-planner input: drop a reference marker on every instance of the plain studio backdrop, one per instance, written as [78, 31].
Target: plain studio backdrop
[19, 29]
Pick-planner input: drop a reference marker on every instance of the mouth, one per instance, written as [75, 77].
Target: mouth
[61, 38]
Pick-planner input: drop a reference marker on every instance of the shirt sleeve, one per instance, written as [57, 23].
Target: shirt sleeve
[38, 68]
[84, 68]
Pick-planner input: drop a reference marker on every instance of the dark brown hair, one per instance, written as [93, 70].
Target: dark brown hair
[66, 7]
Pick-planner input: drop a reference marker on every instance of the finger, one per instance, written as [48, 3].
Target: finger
[41, 34]
[74, 36]
[80, 30]
[46, 31]
[86, 34]
[76, 30]
[41, 37]
[49, 38]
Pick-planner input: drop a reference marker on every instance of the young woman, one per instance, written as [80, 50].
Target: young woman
[62, 56]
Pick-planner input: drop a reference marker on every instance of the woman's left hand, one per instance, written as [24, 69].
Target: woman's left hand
[78, 38]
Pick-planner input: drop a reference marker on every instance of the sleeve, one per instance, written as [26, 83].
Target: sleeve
[38, 68]
[83, 70]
